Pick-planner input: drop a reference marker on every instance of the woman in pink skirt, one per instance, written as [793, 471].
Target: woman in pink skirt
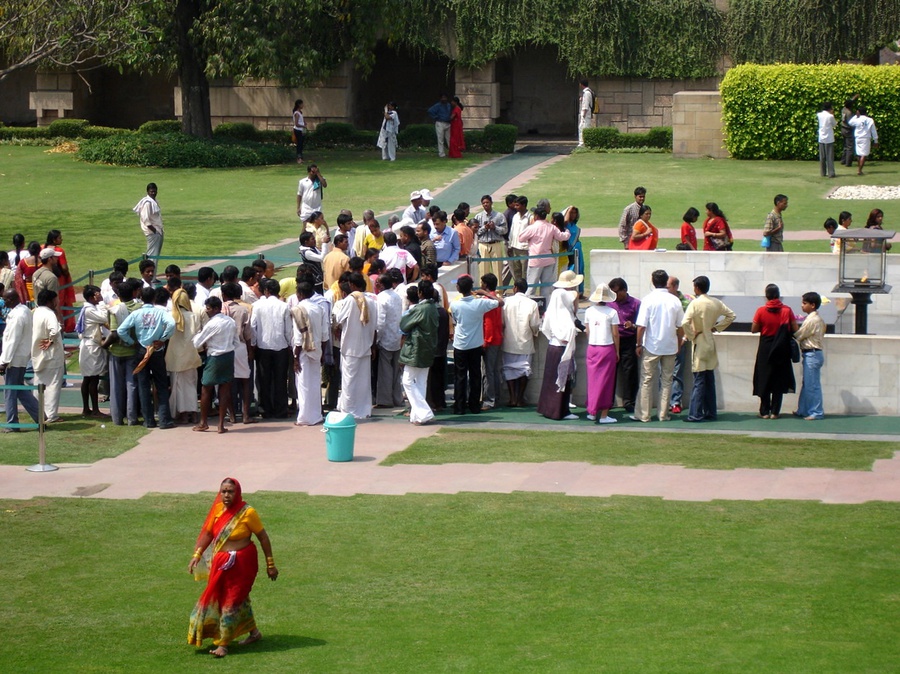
[601, 325]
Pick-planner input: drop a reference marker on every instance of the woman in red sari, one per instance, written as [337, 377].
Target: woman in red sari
[716, 232]
[66, 289]
[644, 235]
[457, 138]
[223, 611]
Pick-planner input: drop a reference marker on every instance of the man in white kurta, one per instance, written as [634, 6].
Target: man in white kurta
[151, 221]
[585, 111]
[389, 392]
[357, 317]
[47, 355]
[308, 342]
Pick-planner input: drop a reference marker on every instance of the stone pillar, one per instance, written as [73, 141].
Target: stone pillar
[479, 91]
[53, 97]
[697, 125]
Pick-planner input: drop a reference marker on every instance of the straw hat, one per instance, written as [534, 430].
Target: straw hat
[569, 279]
[602, 293]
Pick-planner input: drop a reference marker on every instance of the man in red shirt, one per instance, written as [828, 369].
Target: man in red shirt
[493, 340]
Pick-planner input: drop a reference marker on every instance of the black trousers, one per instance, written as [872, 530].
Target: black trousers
[628, 366]
[271, 381]
[467, 387]
[437, 381]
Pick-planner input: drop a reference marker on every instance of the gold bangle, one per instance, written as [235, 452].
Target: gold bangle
[270, 560]
[198, 553]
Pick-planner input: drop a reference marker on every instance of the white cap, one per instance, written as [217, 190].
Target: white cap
[426, 194]
[47, 253]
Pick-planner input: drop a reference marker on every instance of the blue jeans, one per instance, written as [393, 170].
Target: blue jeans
[703, 396]
[810, 402]
[678, 378]
[123, 392]
[16, 375]
[154, 373]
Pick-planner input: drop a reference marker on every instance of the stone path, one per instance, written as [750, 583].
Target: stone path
[277, 456]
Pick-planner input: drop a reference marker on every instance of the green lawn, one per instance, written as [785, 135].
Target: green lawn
[206, 212]
[466, 583]
[93, 442]
[693, 450]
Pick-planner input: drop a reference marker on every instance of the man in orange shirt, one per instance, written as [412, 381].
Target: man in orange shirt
[466, 235]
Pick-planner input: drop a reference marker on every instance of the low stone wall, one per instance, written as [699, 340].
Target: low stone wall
[634, 104]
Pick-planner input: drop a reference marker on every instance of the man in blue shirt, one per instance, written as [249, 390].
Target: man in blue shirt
[445, 240]
[468, 343]
[152, 326]
[440, 113]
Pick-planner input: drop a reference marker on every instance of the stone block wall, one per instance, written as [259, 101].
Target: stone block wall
[479, 91]
[697, 125]
[638, 105]
[54, 96]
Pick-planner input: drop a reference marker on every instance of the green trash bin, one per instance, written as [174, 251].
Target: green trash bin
[340, 431]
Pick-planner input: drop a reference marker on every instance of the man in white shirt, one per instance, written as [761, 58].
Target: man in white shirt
[309, 192]
[14, 359]
[827, 122]
[47, 355]
[308, 342]
[206, 279]
[491, 236]
[415, 211]
[521, 325]
[518, 248]
[395, 257]
[272, 323]
[865, 133]
[388, 391]
[585, 111]
[357, 317]
[659, 338]
[151, 221]
[220, 339]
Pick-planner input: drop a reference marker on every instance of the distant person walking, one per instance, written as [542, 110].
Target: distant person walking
[298, 128]
[151, 221]
[390, 127]
[774, 227]
[585, 110]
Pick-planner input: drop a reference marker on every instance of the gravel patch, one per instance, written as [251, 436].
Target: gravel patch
[865, 192]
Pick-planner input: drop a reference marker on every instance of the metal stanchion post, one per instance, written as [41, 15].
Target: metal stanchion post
[42, 466]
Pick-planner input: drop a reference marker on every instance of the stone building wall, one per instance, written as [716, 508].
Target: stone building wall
[697, 125]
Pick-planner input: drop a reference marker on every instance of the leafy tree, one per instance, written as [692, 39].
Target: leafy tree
[69, 34]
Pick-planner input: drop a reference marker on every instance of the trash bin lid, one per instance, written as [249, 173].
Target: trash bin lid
[339, 420]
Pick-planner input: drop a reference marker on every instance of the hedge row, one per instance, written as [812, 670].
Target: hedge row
[494, 138]
[177, 150]
[609, 137]
[61, 128]
[769, 112]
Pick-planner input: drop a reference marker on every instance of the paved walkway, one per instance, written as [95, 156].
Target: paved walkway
[277, 456]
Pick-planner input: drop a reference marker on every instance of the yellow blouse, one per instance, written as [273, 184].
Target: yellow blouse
[248, 523]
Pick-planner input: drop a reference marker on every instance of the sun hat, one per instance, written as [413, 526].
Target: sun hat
[426, 194]
[415, 195]
[602, 293]
[569, 279]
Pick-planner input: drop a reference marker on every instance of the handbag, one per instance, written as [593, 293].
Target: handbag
[765, 242]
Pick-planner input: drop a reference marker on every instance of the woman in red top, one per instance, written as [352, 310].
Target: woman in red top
[688, 233]
[773, 375]
[644, 236]
[28, 264]
[66, 289]
[716, 232]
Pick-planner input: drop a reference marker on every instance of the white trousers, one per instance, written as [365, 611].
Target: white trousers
[356, 386]
[52, 378]
[309, 391]
[415, 384]
[442, 129]
[184, 391]
[389, 151]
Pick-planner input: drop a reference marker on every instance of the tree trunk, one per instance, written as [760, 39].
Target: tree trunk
[195, 119]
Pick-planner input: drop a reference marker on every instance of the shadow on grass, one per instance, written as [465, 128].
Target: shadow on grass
[269, 644]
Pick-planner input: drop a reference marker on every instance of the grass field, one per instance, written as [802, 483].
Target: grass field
[467, 583]
[693, 450]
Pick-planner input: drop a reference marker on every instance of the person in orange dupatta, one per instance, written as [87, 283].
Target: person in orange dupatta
[66, 289]
[644, 236]
[223, 611]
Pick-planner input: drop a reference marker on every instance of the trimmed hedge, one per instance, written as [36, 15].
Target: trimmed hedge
[499, 138]
[68, 128]
[236, 130]
[609, 138]
[180, 151]
[160, 126]
[769, 112]
[417, 135]
[24, 132]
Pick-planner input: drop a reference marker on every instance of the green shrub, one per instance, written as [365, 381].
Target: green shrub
[236, 130]
[160, 126]
[474, 140]
[365, 138]
[500, 138]
[274, 136]
[102, 132]
[417, 135]
[329, 134]
[68, 128]
[24, 132]
[601, 137]
[769, 112]
[181, 151]
[661, 137]
[610, 138]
